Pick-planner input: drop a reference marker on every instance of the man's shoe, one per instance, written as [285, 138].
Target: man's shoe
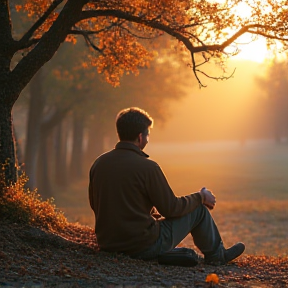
[234, 251]
[223, 256]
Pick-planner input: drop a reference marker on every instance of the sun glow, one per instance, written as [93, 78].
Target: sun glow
[250, 47]
[243, 10]
[256, 50]
[253, 50]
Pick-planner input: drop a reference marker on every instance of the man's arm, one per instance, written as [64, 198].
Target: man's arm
[164, 199]
[90, 191]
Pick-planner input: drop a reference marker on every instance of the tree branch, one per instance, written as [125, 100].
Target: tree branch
[5, 22]
[215, 78]
[54, 117]
[137, 36]
[47, 45]
[23, 42]
[7, 42]
[86, 37]
[28, 44]
[179, 34]
[140, 20]
[268, 35]
[195, 71]
[176, 32]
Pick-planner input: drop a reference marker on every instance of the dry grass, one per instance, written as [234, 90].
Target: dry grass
[26, 207]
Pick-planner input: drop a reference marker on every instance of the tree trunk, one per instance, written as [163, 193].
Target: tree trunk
[7, 145]
[60, 161]
[76, 164]
[47, 126]
[18, 153]
[13, 82]
[35, 114]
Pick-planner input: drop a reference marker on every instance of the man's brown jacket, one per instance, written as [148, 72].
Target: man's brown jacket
[124, 187]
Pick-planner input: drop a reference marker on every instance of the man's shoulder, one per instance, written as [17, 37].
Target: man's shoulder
[102, 157]
[125, 156]
[149, 164]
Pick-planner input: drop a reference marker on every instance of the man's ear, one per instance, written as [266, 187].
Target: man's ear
[139, 138]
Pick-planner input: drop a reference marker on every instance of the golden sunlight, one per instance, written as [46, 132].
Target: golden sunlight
[243, 10]
[250, 47]
[254, 51]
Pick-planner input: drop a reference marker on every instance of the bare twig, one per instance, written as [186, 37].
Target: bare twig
[195, 71]
[212, 77]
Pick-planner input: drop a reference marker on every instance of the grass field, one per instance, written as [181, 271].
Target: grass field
[250, 182]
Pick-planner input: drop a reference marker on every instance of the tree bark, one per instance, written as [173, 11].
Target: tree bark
[7, 145]
[8, 96]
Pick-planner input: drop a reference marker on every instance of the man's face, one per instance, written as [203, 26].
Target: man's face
[144, 139]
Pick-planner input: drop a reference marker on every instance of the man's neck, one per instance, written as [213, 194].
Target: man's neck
[136, 143]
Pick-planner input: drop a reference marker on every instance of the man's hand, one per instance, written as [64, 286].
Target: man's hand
[154, 212]
[208, 198]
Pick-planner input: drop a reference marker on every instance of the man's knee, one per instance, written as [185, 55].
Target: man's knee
[202, 210]
[198, 215]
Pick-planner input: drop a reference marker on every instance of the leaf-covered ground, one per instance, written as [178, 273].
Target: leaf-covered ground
[31, 257]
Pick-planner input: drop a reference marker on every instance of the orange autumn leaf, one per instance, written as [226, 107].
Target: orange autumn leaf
[212, 278]
[18, 7]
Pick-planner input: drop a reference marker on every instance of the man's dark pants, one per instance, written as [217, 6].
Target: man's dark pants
[172, 231]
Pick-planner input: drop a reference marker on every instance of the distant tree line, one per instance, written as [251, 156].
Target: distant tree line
[274, 86]
[71, 112]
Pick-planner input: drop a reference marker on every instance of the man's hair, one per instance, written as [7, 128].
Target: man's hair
[131, 122]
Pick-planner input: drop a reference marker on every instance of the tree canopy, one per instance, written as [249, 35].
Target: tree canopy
[117, 33]
[116, 30]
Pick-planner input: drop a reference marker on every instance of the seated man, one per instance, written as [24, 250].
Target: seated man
[125, 186]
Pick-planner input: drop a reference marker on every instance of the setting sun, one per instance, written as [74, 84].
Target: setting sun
[248, 46]
[254, 51]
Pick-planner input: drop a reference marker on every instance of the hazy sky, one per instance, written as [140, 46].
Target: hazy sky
[224, 109]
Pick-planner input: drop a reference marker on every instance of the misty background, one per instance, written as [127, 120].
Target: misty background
[231, 136]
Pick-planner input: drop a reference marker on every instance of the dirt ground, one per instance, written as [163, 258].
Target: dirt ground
[31, 257]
